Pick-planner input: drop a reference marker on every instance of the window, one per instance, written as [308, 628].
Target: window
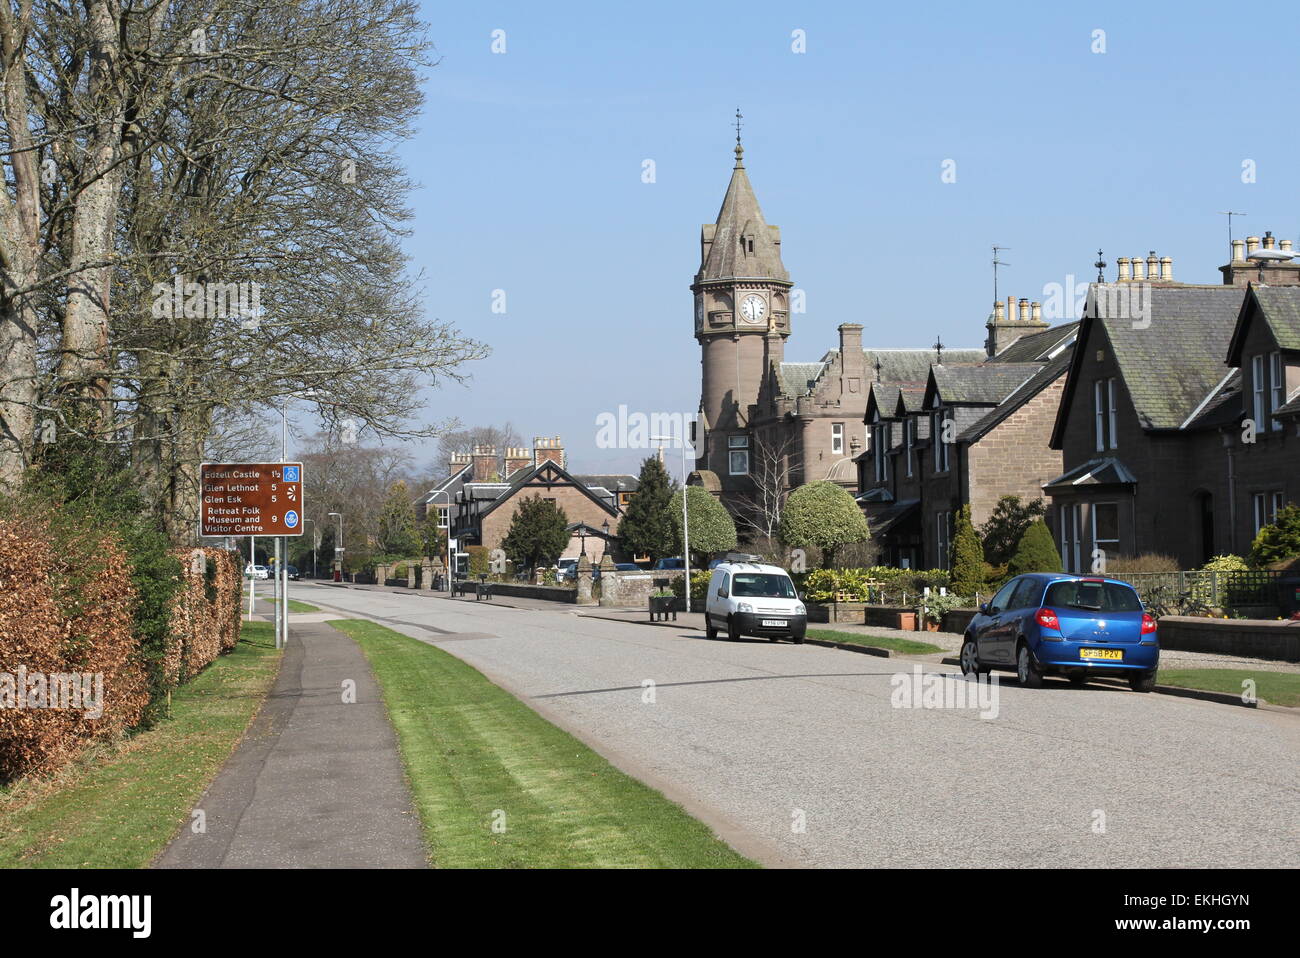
[1069, 519]
[1258, 394]
[943, 538]
[1105, 527]
[937, 437]
[1093, 596]
[1002, 600]
[1027, 595]
[1276, 386]
[1267, 505]
[1105, 415]
[909, 437]
[837, 438]
[763, 585]
[738, 455]
[880, 451]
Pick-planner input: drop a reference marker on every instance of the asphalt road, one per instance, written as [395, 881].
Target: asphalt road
[798, 755]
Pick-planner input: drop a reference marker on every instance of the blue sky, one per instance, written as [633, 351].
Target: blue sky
[530, 169]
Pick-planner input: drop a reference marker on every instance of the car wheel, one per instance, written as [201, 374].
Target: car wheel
[1027, 672]
[732, 632]
[1143, 682]
[970, 659]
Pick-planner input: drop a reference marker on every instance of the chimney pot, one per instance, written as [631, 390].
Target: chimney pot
[1139, 268]
[1024, 310]
[1268, 239]
[1252, 244]
[1284, 245]
[1166, 269]
[999, 312]
[1125, 269]
[1036, 312]
[1153, 265]
[1238, 251]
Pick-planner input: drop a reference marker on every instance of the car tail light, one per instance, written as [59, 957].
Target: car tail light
[1148, 624]
[1047, 619]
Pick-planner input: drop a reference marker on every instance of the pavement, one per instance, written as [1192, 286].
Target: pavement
[316, 782]
[810, 756]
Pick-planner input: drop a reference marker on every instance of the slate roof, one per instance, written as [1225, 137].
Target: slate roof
[981, 383]
[1044, 377]
[739, 217]
[896, 366]
[1171, 363]
[1037, 347]
[1280, 308]
[1103, 471]
[795, 377]
[1289, 408]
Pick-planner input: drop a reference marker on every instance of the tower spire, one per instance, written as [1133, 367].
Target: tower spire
[740, 150]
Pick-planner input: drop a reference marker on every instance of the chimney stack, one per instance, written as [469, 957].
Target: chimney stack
[485, 463]
[547, 447]
[459, 460]
[852, 361]
[517, 457]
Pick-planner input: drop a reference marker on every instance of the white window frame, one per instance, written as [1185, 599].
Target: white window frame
[837, 438]
[909, 438]
[1069, 518]
[942, 462]
[1098, 414]
[1276, 387]
[1111, 414]
[943, 538]
[881, 451]
[1257, 390]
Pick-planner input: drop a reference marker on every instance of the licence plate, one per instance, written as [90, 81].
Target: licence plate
[774, 623]
[1101, 654]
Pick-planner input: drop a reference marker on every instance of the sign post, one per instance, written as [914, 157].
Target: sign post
[255, 499]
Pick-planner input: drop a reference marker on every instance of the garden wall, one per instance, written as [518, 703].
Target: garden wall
[1252, 638]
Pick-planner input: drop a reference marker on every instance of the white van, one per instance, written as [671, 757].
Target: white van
[752, 598]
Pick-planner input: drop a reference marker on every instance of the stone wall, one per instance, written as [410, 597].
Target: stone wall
[1252, 638]
[634, 588]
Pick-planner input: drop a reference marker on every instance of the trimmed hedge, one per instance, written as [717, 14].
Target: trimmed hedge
[69, 603]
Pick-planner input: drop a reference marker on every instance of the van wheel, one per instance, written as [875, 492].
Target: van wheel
[798, 640]
[732, 632]
[1027, 672]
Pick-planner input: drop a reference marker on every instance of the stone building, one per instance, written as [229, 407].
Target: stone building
[971, 433]
[767, 425]
[1180, 429]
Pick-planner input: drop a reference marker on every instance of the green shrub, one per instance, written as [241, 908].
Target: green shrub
[479, 561]
[824, 515]
[1146, 562]
[1036, 551]
[970, 572]
[1279, 540]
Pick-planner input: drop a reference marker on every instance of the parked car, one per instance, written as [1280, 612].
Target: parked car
[292, 572]
[566, 569]
[256, 571]
[752, 598]
[666, 564]
[1076, 626]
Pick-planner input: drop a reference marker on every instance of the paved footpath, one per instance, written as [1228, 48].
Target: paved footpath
[315, 782]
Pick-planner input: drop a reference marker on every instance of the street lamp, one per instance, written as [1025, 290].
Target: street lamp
[338, 549]
[686, 533]
[604, 527]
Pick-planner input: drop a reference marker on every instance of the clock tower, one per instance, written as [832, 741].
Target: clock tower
[742, 319]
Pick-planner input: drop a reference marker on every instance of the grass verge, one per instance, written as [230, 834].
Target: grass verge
[477, 757]
[1275, 688]
[902, 646]
[296, 606]
[119, 805]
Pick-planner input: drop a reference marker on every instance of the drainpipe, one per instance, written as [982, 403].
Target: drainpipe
[1232, 493]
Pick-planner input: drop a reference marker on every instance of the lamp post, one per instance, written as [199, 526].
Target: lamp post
[686, 532]
[338, 549]
[604, 527]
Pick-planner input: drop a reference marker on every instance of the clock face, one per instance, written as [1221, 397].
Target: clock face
[753, 308]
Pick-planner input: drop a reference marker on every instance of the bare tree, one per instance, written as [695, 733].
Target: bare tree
[773, 462]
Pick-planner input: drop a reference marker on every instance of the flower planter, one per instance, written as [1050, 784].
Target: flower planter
[662, 606]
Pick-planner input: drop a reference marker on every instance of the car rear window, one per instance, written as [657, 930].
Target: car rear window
[1096, 596]
[763, 584]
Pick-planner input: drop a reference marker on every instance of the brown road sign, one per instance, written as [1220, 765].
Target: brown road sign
[250, 499]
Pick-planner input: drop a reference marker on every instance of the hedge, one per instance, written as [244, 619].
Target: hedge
[69, 605]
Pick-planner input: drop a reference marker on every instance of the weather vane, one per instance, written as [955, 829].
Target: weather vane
[1100, 264]
[739, 117]
[938, 351]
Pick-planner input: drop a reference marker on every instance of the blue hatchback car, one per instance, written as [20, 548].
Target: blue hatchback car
[1052, 624]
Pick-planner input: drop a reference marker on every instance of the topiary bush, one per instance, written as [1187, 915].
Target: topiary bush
[1036, 551]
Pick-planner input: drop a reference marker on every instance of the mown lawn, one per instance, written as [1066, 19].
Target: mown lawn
[901, 646]
[477, 757]
[296, 606]
[118, 806]
[1275, 688]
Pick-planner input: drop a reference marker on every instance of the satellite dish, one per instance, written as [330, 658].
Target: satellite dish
[1271, 254]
